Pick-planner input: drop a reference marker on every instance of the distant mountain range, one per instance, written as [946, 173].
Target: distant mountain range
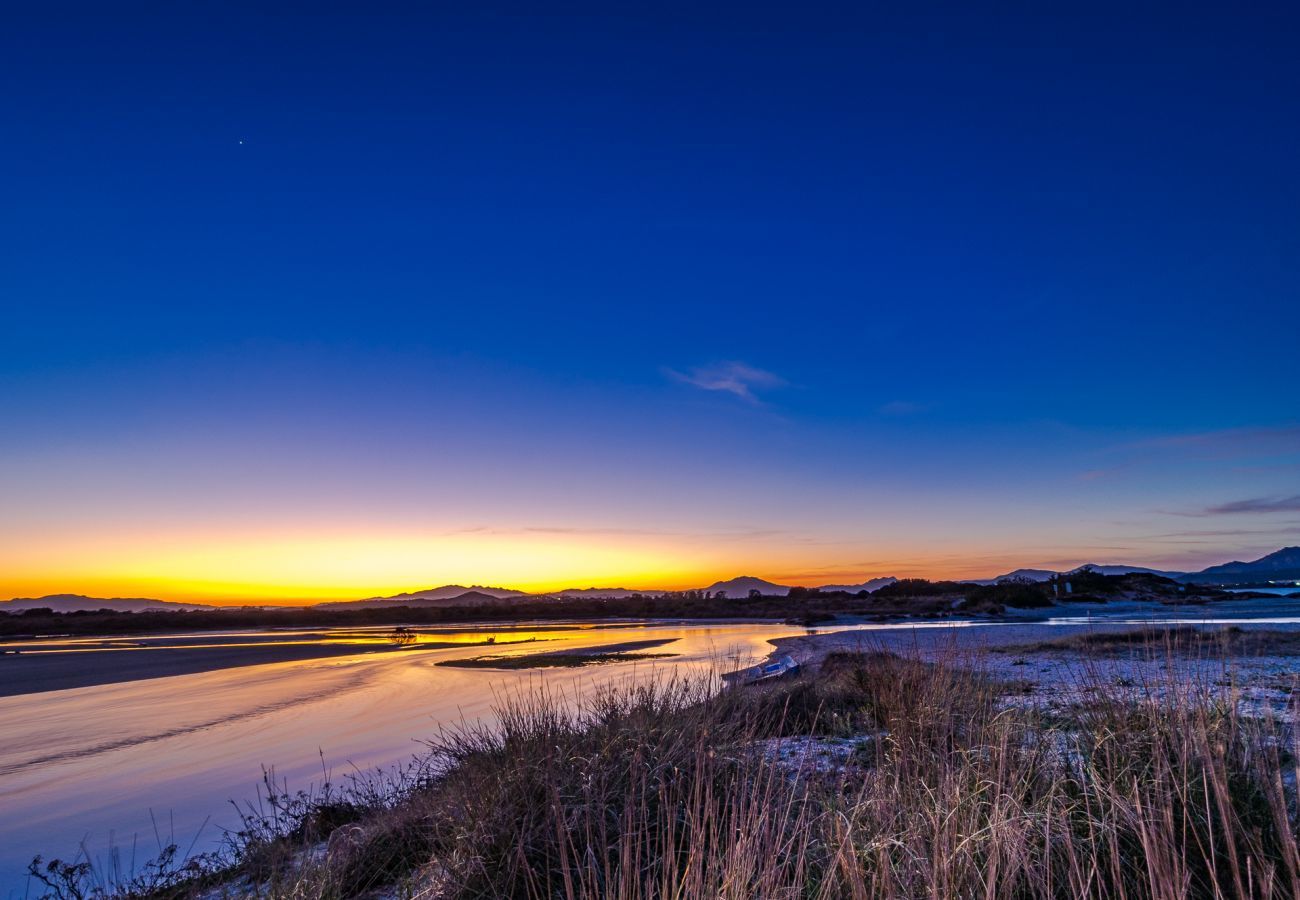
[67, 603]
[450, 591]
[1131, 570]
[458, 595]
[874, 584]
[595, 593]
[1281, 565]
[447, 595]
[1019, 575]
[740, 587]
[1046, 574]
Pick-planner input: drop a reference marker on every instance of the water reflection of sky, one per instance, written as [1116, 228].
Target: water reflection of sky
[476, 633]
[90, 761]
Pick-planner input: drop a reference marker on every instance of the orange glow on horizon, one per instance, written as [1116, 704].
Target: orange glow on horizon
[266, 570]
[272, 569]
[269, 570]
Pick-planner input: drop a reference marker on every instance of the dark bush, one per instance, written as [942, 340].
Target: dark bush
[1015, 594]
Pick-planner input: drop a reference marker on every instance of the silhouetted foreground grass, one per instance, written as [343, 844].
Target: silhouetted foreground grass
[672, 790]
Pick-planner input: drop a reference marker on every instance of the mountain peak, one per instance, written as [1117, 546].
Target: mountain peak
[743, 584]
[65, 603]
[869, 586]
[1280, 565]
[448, 591]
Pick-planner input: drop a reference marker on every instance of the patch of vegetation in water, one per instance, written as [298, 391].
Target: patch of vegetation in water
[548, 660]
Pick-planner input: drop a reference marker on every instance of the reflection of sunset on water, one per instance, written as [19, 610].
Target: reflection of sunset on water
[184, 746]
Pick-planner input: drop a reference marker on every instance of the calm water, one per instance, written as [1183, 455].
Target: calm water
[101, 765]
[111, 765]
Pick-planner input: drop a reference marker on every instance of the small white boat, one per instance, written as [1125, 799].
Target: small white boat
[765, 672]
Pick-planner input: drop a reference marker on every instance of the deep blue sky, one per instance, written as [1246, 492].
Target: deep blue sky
[881, 280]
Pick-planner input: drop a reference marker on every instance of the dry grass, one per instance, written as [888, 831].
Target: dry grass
[660, 791]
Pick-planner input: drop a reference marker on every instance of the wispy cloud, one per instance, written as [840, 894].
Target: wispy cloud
[1256, 505]
[902, 408]
[1217, 533]
[732, 377]
[1229, 443]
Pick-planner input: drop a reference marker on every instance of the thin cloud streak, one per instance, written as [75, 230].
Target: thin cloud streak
[1228, 443]
[732, 377]
[1257, 505]
[1284, 528]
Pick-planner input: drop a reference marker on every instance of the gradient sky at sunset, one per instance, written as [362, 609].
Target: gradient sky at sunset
[354, 300]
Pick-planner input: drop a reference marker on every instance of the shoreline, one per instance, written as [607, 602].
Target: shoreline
[39, 673]
[31, 671]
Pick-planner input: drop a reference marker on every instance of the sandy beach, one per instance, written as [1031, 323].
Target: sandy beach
[36, 670]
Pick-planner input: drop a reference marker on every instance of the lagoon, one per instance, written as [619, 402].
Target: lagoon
[129, 763]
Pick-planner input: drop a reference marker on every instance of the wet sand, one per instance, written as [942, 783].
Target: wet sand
[32, 672]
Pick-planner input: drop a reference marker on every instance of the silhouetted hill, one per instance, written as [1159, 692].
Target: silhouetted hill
[439, 597]
[740, 587]
[874, 584]
[735, 588]
[66, 603]
[447, 591]
[609, 593]
[1039, 575]
[1018, 575]
[1280, 565]
[476, 598]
